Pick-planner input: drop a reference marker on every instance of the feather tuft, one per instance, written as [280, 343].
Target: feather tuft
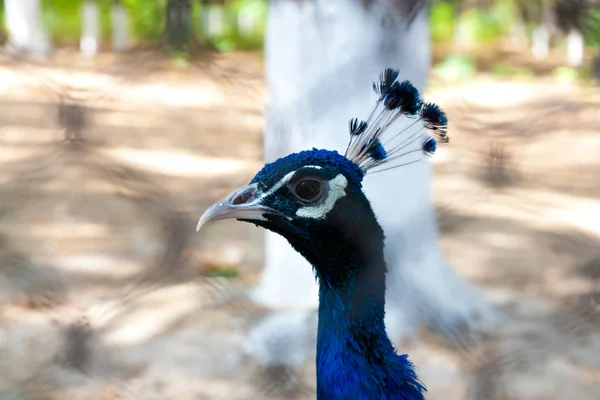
[386, 79]
[376, 150]
[400, 130]
[429, 146]
[357, 127]
[436, 120]
[403, 96]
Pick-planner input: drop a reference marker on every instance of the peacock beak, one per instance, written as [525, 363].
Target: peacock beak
[244, 203]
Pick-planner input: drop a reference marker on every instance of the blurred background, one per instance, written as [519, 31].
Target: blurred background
[123, 120]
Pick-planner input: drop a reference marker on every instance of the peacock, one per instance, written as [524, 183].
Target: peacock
[315, 200]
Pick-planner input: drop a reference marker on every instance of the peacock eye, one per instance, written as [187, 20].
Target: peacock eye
[308, 189]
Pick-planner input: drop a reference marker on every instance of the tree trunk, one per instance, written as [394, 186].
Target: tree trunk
[90, 28]
[596, 65]
[179, 23]
[24, 25]
[540, 39]
[212, 19]
[461, 40]
[120, 27]
[540, 42]
[575, 48]
[321, 59]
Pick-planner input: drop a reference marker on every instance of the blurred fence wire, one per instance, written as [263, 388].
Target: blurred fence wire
[46, 173]
[57, 157]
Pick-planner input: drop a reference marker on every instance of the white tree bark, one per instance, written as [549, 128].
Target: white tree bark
[540, 42]
[90, 28]
[575, 48]
[120, 28]
[321, 59]
[24, 24]
[540, 39]
[212, 20]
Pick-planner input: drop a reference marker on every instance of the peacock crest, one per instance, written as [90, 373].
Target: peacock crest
[400, 130]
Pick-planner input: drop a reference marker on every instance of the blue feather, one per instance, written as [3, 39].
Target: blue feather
[357, 127]
[386, 79]
[435, 120]
[429, 146]
[396, 132]
[403, 96]
[270, 173]
[376, 151]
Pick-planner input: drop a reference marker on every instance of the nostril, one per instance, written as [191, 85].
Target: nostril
[243, 197]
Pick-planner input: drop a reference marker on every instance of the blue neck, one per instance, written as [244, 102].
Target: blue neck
[355, 358]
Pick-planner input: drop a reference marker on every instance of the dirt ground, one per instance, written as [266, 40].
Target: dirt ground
[107, 294]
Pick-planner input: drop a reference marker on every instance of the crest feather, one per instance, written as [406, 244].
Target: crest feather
[400, 130]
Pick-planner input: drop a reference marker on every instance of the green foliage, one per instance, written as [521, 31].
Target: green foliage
[501, 69]
[180, 59]
[455, 68]
[441, 20]
[565, 74]
[585, 74]
[486, 26]
[62, 18]
[2, 17]
[582, 76]
[478, 27]
[224, 272]
[231, 39]
[511, 71]
[146, 17]
[592, 34]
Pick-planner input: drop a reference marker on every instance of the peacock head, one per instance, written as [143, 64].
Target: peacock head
[314, 198]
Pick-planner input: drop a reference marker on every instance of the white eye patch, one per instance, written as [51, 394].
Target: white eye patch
[337, 190]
